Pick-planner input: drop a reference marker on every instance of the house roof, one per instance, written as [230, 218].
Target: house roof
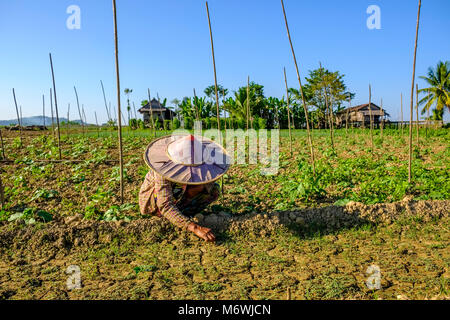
[362, 106]
[155, 106]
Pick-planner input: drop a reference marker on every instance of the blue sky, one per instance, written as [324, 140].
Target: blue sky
[165, 46]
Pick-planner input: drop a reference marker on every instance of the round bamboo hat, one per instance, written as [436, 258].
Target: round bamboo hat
[187, 159]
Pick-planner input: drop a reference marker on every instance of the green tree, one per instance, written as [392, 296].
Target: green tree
[211, 92]
[323, 83]
[437, 93]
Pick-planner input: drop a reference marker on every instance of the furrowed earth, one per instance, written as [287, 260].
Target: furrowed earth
[316, 237]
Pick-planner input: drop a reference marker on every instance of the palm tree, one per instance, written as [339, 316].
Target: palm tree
[438, 93]
[127, 92]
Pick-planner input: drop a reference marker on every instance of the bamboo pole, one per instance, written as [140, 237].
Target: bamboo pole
[104, 99]
[224, 111]
[84, 116]
[3, 146]
[115, 114]
[18, 117]
[382, 121]
[219, 137]
[371, 119]
[348, 111]
[134, 108]
[2, 194]
[21, 116]
[43, 110]
[161, 113]
[248, 100]
[310, 139]
[215, 74]
[124, 119]
[428, 116]
[412, 95]
[68, 120]
[401, 111]
[151, 113]
[79, 110]
[417, 114]
[119, 128]
[195, 107]
[98, 128]
[51, 109]
[288, 112]
[56, 107]
[330, 113]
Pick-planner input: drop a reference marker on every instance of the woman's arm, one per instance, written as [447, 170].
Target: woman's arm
[166, 203]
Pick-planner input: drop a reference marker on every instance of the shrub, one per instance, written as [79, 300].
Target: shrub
[262, 123]
[167, 125]
[241, 124]
[188, 123]
[176, 124]
[213, 122]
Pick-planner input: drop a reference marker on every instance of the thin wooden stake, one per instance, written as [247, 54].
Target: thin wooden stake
[3, 146]
[161, 113]
[43, 110]
[329, 111]
[134, 108]
[401, 111]
[18, 117]
[224, 111]
[348, 111]
[219, 137]
[371, 119]
[21, 116]
[151, 113]
[382, 121]
[51, 109]
[119, 129]
[2, 195]
[248, 100]
[68, 120]
[98, 128]
[417, 114]
[195, 107]
[310, 139]
[79, 110]
[56, 107]
[104, 99]
[288, 112]
[215, 74]
[84, 116]
[428, 116]
[412, 96]
[115, 113]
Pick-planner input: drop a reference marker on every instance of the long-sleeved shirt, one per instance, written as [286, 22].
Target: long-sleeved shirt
[160, 196]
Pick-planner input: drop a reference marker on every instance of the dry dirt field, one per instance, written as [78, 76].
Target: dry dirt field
[315, 237]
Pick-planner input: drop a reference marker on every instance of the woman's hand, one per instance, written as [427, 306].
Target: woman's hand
[201, 232]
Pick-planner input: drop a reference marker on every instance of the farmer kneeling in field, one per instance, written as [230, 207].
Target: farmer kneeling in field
[180, 182]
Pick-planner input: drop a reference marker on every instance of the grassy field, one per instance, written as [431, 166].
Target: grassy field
[315, 236]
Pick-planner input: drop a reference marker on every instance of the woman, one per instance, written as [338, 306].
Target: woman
[180, 182]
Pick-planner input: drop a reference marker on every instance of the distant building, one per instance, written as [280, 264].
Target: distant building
[160, 113]
[360, 115]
